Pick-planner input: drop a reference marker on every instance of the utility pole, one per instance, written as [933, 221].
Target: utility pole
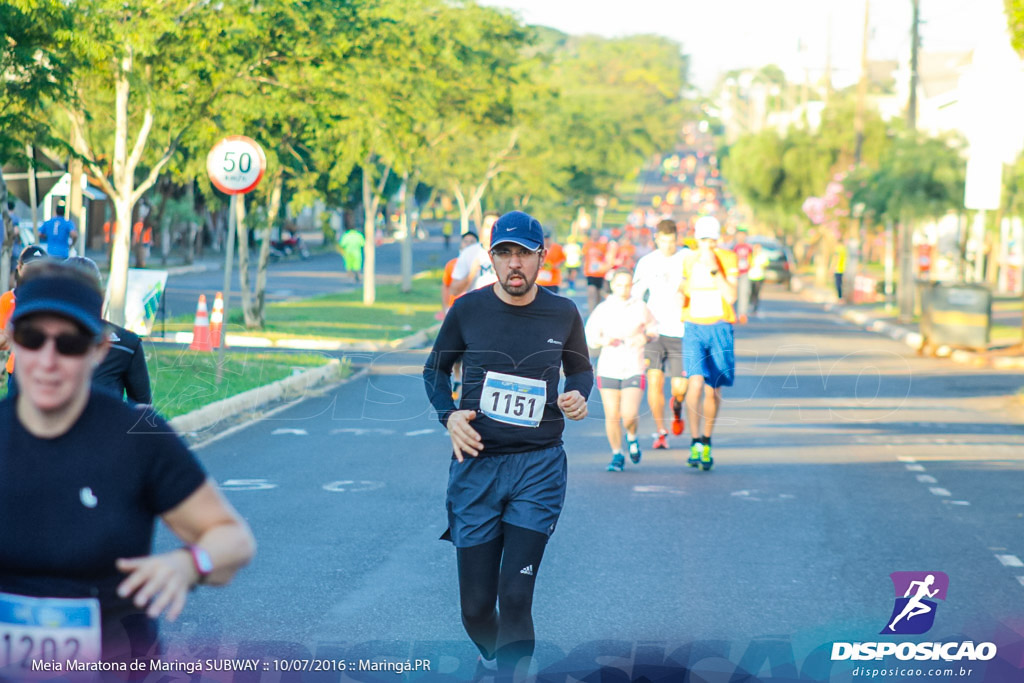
[862, 87]
[828, 57]
[915, 44]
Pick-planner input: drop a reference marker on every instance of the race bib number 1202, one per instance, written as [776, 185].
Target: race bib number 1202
[513, 400]
[47, 630]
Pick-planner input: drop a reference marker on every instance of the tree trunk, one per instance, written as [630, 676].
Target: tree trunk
[906, 292]
[273, 209]
[463, 210]
[242, 238]
[371, 202]
[75, 200]
[407, 240]
[370, 248]
[10, 234]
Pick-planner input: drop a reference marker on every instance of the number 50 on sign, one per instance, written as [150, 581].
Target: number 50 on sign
[236, 164]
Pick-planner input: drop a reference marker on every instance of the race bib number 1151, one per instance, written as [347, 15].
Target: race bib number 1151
[513, 400]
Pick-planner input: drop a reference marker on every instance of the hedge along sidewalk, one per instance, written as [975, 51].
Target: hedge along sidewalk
[339, 322]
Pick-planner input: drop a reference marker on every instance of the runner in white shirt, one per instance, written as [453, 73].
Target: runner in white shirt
[658, 277]
[620, 326]
[474, 269]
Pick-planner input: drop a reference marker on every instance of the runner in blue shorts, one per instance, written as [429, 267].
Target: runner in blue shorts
[710, 291]
[507, 478]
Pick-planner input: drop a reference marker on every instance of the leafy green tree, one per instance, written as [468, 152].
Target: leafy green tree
[917, 178]
[1015, 20]
[153, 68]
[35, 69]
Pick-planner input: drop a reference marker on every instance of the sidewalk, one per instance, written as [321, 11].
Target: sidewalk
[907, 333]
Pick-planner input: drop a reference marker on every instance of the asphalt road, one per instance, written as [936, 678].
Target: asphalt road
[841, 457]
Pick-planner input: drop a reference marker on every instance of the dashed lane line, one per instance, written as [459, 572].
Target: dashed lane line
[1010, 560]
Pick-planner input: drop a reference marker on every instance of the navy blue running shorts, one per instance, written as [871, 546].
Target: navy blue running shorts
[522, 489]
[708, 352]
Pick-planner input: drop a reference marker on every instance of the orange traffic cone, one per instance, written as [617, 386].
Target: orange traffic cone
[217, 320]
[201, 329]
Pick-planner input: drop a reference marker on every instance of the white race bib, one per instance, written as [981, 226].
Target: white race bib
[513, 400]
[47, 630]
[707, 304]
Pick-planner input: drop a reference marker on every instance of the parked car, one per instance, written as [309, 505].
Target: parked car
[780, 268]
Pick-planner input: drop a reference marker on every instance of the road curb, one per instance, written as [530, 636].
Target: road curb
[912, 339]
[289, 387]
[413, 341]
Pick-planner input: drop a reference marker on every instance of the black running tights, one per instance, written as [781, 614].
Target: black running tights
[496, 581]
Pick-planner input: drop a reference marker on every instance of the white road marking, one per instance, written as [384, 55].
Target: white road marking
[286, 430]
[659, 489]
[350, 486]
[939, 491]
[1010, 560]
[915, 468]
[927, 479]
[1020, 579]
[362, 432]
[957, 502]
[420, 432]
[247, 485]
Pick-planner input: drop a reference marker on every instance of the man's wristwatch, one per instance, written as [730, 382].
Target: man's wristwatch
[201, 561]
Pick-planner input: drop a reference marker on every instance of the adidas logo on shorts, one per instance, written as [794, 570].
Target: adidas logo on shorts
[527, 570]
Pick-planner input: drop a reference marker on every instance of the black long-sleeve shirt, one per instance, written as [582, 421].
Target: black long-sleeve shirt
[123, 370]
[534, 341]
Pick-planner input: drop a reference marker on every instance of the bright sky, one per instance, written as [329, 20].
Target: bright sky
[720, 35]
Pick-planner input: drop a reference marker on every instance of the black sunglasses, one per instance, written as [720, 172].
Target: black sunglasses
[68, 343]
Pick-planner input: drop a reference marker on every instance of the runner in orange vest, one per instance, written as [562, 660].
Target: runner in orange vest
[550, 275]
[595, 267]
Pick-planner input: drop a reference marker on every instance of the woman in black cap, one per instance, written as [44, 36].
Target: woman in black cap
[83, 477]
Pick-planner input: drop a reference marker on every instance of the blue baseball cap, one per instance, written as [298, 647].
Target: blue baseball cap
[63, 296]
[518, 227]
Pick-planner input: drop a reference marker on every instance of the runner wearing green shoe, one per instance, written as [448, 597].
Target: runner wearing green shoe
[710, 291]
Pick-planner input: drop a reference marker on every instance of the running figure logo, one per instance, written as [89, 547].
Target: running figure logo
[914, 611]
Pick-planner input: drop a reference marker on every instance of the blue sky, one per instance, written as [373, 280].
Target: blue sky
[724, 34]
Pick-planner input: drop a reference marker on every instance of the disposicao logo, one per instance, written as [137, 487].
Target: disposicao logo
[914, 611]
[913, 614]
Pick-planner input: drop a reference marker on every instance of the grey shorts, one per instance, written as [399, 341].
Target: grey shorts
[522, 489]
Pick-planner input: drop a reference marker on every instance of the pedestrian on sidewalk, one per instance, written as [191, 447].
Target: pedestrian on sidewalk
[59, 233]
[839, 268]
[657, 280]
[507, 477]
[352, 243]
[446, 232]
[621, 327]
[708, 359]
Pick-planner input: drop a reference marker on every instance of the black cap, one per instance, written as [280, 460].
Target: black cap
[61, 295]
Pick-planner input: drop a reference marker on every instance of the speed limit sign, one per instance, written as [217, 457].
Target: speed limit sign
[236, 164]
